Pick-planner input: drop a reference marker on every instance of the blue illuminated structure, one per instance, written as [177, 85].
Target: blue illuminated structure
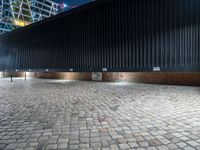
[19, 13]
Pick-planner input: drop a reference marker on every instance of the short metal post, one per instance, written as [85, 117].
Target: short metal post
[11, 77]
[25, 76]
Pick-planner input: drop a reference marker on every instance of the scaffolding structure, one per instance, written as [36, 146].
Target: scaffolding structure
[19, 13]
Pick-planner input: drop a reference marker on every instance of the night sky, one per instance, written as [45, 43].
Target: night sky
[72, 2]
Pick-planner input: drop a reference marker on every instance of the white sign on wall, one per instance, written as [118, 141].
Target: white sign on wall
[156, 68]
[97, 76]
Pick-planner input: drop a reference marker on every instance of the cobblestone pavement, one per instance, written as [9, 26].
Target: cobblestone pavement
[50, 114]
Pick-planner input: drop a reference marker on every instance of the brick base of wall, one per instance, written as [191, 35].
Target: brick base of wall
[138, 77]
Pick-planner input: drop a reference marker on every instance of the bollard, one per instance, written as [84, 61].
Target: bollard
[25, 76]
[11, 77]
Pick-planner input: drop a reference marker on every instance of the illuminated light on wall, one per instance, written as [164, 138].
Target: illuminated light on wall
[1, 74]
[28, 74]
[21, 23]
[120, 83]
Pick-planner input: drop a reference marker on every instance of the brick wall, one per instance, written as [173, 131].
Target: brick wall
[138, 77]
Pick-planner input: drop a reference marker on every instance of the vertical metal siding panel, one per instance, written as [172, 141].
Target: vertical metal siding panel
[161, 18]
[145, 36]
[193, 21]
[170, 36]
[97, 40]
[103, 46]
[92, 40]
[129, 22]
[25, 50]
[21, 52]
[192, 40]
[140, 61]
[116, 43]
[105, 36]
[136, 35]
[121, 34]
[197, 33]
[86, 36]
[166, 36]
[177, 35]
[181, 34]
[16, 53]
[148, 33]
[64, 44]
[132, 35]
[189, 33]
[113, 53]
[115, 65]
[129, 32]
[184, 35]
[81, 36]
[194, 58]
[70, 37]
[141, 39]
[66, 41]
[157, 34]
[173, 23]
[124, 39]
[119, 58]
[118, 34]
[109, 51]
[75, 42]
[152, 36]
[109, 33]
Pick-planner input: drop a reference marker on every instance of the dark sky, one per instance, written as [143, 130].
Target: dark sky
[72, 2]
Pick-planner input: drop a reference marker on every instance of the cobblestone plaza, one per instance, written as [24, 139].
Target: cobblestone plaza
[55, 114]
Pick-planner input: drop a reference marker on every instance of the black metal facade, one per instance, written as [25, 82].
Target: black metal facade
[120, 35]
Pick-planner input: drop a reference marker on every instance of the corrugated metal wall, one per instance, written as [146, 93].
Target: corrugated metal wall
[120, 35]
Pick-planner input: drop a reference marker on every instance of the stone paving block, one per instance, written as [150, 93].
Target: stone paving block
[181, 144]
[124, 146]
[193, 143]
[73, 147]
[49, 114]
[62, 146]
[133, 144]
[11, 146]
[52, 147]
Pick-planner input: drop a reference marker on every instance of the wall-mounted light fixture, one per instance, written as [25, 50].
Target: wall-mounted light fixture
[105, 69]
[1, 74]
[156, 69]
